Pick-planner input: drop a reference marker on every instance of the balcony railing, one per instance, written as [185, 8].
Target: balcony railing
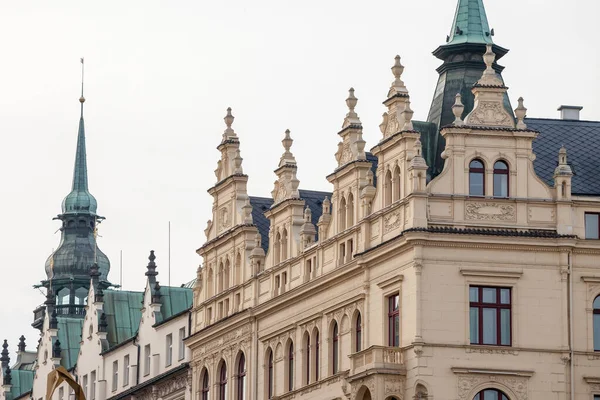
[68, 309]
[377, 357]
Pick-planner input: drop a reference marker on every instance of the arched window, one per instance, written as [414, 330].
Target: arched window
[490, 394]
[317, 355]
[277, 249]
[350, 211]
[290, 367]
[342, 214]
[307, 359]
[597, 324]
[210, 285]
[396, 183]
[226, 275]
[358, 337]
[270, 374]
[238, 269]
[284, 245]
[220, 278]
[223, 382]
[81, 296]
[500, 179]
[205, 386]
[476, 178]
[241, 382]
[387, 189]
[335, 341]
[64, 296]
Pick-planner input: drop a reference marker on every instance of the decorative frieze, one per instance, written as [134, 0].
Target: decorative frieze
[489, 211]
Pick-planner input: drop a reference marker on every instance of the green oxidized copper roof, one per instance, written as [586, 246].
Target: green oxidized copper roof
[174, 300]
[123, 311]
[69, 334]
[80, 199]
[22, 382]
[470, 24]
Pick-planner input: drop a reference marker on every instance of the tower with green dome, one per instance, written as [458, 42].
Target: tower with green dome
[68, 267]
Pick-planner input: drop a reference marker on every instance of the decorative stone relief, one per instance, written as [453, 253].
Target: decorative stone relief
[374, 230]
[394, 386]
[223, 218]
[490, 113]
[369, 382]
[392, 221]
[172, 386]
[466, 383]
[487, 211]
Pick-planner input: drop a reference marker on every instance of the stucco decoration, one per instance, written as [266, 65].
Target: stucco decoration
[368, 382]
[490, 113]
[173, 385]
[488, 211]
[394, 386]
[469, 383]
[392, 221]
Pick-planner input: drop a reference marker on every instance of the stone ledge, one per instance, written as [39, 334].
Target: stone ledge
[486, 371]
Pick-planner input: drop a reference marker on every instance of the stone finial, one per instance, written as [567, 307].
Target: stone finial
[56, 349]
[489, 77]
[352, 117]
[458, 108]
[307, 214]
[520, 113]
[247, 211]
[308, 231]
[370, 177]
[257, 251]
[102, 324]
[4, 357]
[156, 294]
[326, 206]
[151, 268]
[238, 163]
[287, 158]
[22, 344]
[53, 324]
[7, 376]
[563, 168]
[229, 132]
[406, 116]
[397, 85]
[418, 148]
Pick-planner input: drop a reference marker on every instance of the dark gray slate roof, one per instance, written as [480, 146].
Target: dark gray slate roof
[313, 199]
[582, 141]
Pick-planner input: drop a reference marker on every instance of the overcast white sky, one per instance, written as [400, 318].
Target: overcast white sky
[159, 76]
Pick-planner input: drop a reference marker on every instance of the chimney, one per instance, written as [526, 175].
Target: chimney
[569, 112]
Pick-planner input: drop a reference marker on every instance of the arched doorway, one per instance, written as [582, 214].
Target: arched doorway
[491, 394]
[363, 394]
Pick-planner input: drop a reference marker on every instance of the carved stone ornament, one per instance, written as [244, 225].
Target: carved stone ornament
[392, 124]
[467, 382]
[173, 385]
[490, 113]
[487, 211]
[223, 218]
[280, 192]
[369, 382]
[393, 386]
[346, 155]
[392, 221]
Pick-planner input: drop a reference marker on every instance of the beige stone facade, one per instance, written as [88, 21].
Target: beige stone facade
[310, 314]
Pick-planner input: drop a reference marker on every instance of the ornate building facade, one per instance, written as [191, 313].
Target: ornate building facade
[457, 259]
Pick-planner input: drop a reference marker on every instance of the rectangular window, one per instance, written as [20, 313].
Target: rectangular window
[93, 385]
[394, 320]
[181, 344]
[490, 315]
[61, 393]
[169, 350]
[592, 226]
[115, 377]
[126, 370]
[85, 385]
[146, 359]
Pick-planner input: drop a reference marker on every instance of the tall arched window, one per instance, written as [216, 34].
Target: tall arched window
[490, 394]
[220, 278]
[597, 324]
[358, 337]
[350, 211]
[205, 386]
[223, 382]
[241, 382]
[387, 189]
[500, 179]
[270, 374]
[342, 214]
[290, 367]
[396, 183]
[226, 275]
[277, 249]
[210, 284]
[317, 355]
[335, 342]
[64, 296]
[284, 245]
[476, 178]
[238, 270]
[307, 359]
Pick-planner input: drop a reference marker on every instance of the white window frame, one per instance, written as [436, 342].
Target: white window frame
[181, 344]
[169, 350]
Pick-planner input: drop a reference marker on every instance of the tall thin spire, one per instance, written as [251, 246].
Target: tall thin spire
[82, 99]
[470, 24]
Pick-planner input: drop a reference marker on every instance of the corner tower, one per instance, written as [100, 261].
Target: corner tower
[68, 267]
[463, 62]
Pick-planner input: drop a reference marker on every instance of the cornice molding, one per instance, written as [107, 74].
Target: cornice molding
[492, 273]
[490, 371]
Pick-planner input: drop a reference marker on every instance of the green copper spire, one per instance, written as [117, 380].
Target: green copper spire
[470, 24]
[80, 199]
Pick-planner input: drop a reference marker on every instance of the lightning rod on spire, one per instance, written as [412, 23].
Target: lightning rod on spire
[82, 99]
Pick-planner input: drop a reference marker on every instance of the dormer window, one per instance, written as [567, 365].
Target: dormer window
[476, 178]
[500, 179]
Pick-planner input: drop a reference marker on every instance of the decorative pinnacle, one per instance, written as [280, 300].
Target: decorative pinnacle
[351, 102]
[307, 214]
[229, 118]
[397, 70]
[458, 108]
[287, 158]
[4, 358]
[287, 141]
[151, 268]
[82, 99]
[520, 113]
[407, 115]
[562, 155]
[22, 343]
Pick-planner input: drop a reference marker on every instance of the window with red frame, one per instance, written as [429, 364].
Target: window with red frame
[394, 320]
[476, 178]
[500, 179]
[490, 315]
